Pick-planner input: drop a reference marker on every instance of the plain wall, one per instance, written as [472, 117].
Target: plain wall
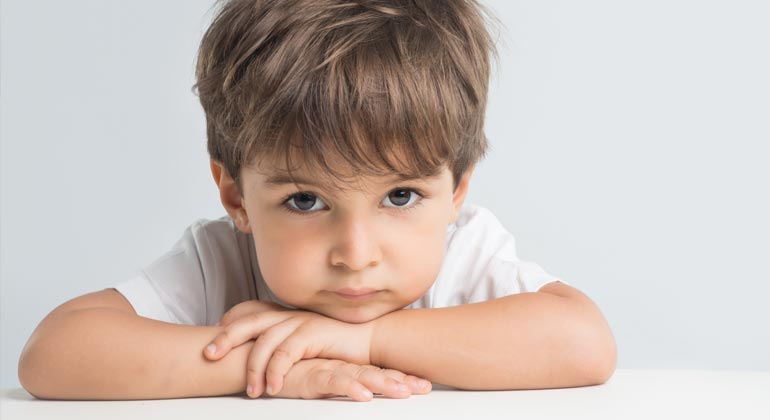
[629, 156]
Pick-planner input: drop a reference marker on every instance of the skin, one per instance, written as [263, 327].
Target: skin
[356, 237]
[558, 336]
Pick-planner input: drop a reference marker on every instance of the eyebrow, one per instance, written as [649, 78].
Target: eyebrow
[281, 179]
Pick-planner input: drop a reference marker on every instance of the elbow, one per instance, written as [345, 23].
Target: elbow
[605, 364]
[601, 358]
[597, 356]
[28, 377]
[35, 375]
[38, 365]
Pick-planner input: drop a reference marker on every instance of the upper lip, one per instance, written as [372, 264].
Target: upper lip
[355, 292]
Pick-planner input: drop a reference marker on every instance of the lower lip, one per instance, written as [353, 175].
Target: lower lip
[357, 297]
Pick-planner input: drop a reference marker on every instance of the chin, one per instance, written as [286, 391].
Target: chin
[355, 316]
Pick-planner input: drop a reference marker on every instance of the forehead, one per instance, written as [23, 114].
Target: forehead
[275, 180]
[272, 176]
[329, 162]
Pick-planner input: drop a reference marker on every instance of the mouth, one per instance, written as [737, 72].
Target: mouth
[362, 294]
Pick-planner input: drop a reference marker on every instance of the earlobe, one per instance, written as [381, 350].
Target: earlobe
[230, 196]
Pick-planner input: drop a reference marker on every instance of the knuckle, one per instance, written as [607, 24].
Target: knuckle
[252, 369]
[359, 372]
[282, 352]
[268, 335]
[333, 380]
[273, 368]
[251, 317]
[224, 337]
[394, 374]
[411, 380]
[260, 340]
[320, 379]
[391, 382]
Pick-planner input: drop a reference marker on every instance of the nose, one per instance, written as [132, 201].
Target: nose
[355, 245]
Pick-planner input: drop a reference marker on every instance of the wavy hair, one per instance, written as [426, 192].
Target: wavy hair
[388, 87]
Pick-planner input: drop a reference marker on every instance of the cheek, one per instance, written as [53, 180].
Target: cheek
[419, 253]
[424, 265]
[286, 259]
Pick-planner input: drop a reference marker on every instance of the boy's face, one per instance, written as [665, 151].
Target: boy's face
[380, 235]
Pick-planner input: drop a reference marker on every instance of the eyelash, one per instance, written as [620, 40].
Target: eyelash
[286, 207]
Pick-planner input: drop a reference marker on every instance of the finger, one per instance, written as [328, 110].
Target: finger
[260, 354]
[378, 380]
[245, 308]
[300, 345]
[416, 384]
[335, 381]
[241, 331]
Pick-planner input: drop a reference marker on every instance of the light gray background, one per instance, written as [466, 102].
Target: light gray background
[629, 157]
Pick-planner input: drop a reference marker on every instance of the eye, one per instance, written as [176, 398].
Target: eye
[303, 202]
[402, 197]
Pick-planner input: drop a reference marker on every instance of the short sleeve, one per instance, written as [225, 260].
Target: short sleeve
[171, 288]
[139, 291]
[211, 268]
[529, 277]
[481, 263]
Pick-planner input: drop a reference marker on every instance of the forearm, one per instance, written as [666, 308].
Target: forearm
[102, 353]
[523, 341]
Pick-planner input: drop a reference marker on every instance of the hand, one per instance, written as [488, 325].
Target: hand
[323, 378]
[284, 337]
[247, 308]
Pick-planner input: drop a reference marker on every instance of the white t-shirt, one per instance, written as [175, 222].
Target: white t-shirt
[214, 266]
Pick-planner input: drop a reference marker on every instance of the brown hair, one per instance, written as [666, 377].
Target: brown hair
[391, 87]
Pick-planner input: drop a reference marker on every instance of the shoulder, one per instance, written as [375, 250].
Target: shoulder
[477, 227]
[474, 216]
[219, 232]
[480, 261]
[206, 246]
[220, 225]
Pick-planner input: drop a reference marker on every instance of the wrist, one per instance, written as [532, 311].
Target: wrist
[374, 350]
[366, 329]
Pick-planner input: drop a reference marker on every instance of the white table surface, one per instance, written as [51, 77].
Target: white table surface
[629, 394]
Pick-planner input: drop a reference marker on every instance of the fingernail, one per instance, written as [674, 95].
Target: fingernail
[402, 388]
[269, 389]
[211, 348]
[366, 394]
[249, 390]
[424, 384]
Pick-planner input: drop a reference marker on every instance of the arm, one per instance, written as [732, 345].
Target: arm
[105, 351]
[550, 339]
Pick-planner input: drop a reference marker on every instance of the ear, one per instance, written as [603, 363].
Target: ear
[459, 195]
[230, 196]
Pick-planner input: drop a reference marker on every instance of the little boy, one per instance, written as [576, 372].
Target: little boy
[342, 136]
